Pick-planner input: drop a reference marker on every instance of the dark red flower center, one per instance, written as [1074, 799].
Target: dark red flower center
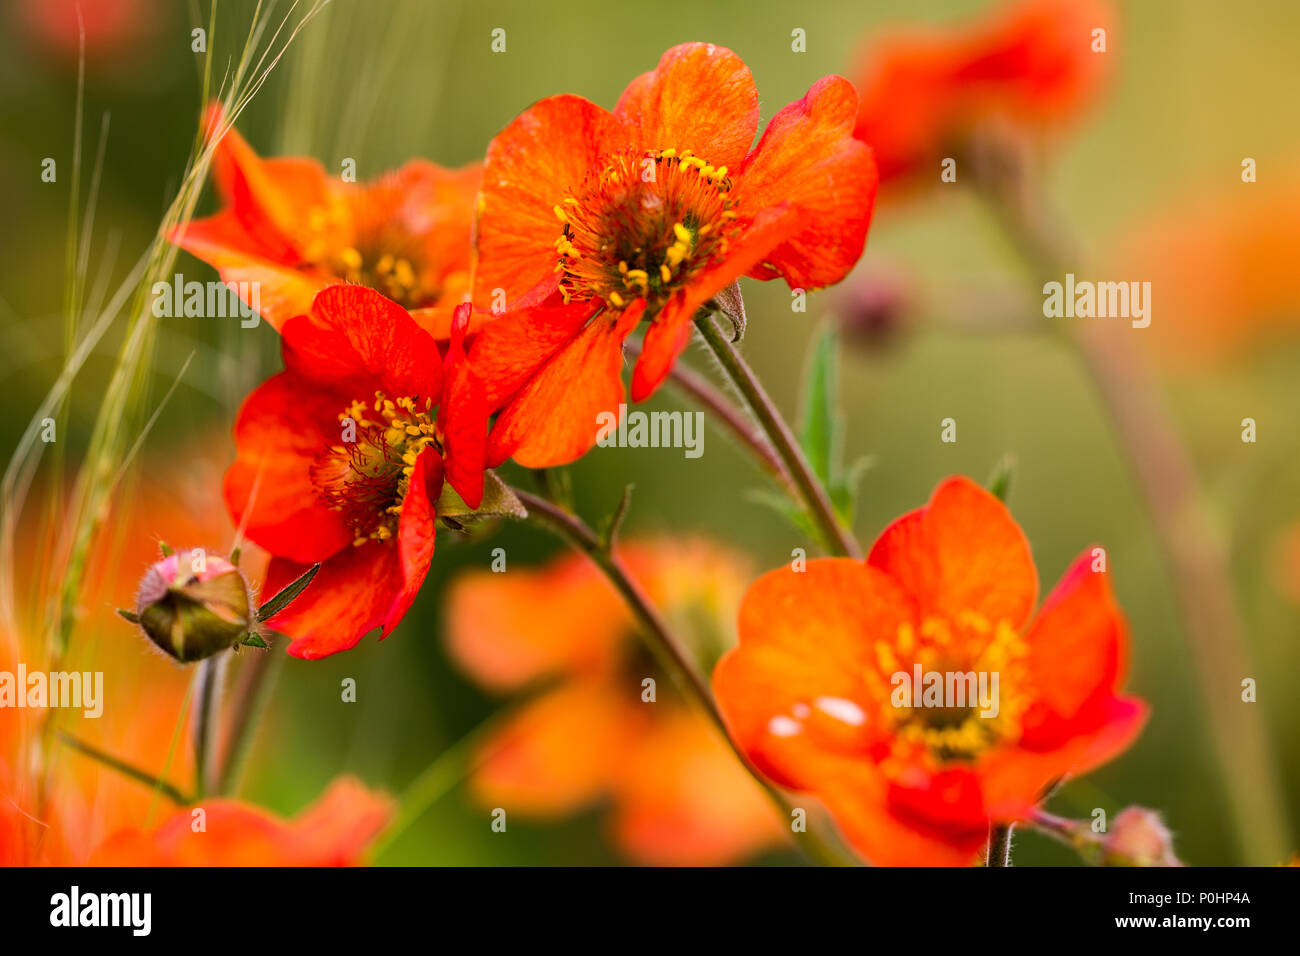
[641, 225]
[366, 475]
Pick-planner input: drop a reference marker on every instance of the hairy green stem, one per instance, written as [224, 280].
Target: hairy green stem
[835, 537]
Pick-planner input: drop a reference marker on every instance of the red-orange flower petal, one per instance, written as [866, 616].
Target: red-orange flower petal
[685, 800]
[354, 340]
[961, 552]
[923, 89]
[269, 196]
[532, 765]
[555, 418]
[509, 350]
[700, 97]
[463, 421]
[551, 145]
[495, 633]
[334, 831]
[280, 430]
[808, 159]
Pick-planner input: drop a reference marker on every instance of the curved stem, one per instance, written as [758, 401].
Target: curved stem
[835, 537]
[128, 770]
[697, 387]
[661, 642]
[1193, 549]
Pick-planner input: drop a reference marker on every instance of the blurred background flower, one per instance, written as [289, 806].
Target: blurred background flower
[1192, 90]
[604, 723]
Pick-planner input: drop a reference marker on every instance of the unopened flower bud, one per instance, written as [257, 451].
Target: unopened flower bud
[194, 605]
[1138, 837]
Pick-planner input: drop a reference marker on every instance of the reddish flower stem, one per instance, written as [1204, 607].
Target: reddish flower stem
[835, 537]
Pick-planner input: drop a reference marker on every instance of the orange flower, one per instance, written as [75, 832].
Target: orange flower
[680, 796]
[143, 693]
[817, 690]
[334, 831]
[923, 91]
[86, 812]
[1222, 262]
[343, 457]
[294, 229]
[649, 212]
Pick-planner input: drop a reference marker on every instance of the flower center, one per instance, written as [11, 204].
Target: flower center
[381, 257]
[642, 225]
[367, 474]
[952, 685]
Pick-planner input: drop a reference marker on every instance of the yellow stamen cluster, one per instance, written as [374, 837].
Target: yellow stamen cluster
[968, 643]
[640, 225]
[367, 479]
[394, 276]
[326, 225]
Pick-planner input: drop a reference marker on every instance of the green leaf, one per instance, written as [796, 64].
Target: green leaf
[165, 548]
[782, 505]
[498, 502]
[291, 591]
[844, 488]
[820, 423]
[129, 615]
[254, 640]
[1004, 473]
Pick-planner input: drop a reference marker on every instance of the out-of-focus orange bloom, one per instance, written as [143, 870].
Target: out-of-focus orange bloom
[294, 229]
[648, 212]
[1222, 265]
[112, 29]
[924, 90]
[1286, 563]
[82, 804]
[679, 795]
[334, 831]
[176, 499]
[812, 692]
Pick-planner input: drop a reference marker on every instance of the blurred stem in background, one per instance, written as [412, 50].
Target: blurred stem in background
[209, 676]
[664, 645]
[1166, 476]
[813, 497]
